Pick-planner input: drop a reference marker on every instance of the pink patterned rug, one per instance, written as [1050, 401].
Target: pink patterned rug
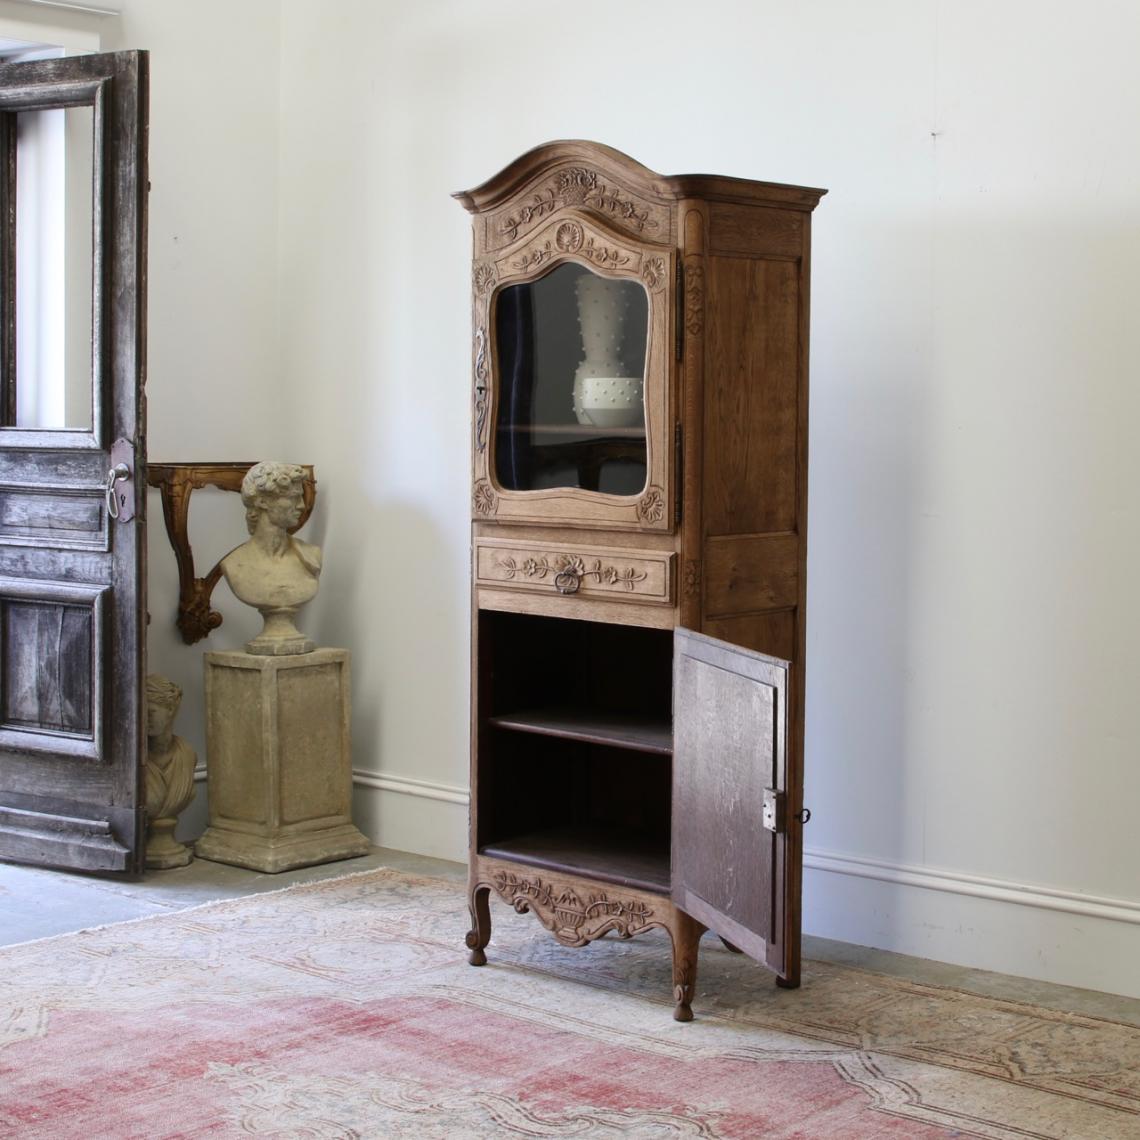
[346, 1009]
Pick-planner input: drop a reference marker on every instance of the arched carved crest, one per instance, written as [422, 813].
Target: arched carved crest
[580, 175]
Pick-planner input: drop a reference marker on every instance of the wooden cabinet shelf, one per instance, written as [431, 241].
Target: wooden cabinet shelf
[638, 734]
[628, 859]
[578, 431]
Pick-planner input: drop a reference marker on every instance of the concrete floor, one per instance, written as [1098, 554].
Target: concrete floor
[37, 903]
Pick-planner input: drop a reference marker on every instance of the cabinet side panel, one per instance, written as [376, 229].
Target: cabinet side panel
[751, 396]
[773, 633]
[756, 230]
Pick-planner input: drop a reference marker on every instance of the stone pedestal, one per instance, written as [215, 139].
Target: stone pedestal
[278, 763]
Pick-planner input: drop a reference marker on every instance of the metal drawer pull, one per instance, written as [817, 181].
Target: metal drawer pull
[568, 580]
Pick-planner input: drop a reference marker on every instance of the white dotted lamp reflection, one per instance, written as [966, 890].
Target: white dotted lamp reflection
[605, 393]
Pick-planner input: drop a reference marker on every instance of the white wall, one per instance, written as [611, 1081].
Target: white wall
[971, 737]
[214, 355]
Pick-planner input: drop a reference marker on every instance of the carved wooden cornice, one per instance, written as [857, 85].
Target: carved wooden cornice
[571, 169]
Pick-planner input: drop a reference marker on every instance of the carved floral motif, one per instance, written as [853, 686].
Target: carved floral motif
[569, 564]
[574, 921]
[694, 297]
[484, 499]
[692, 577]
[542, 203]
[536, 255]
[568, 239]
[604, 256]
[577, 186]
[481, 388]
[651, 506]
[653, 272]
[483, 276]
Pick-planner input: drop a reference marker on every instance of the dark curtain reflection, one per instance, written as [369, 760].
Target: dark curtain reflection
[514, 454]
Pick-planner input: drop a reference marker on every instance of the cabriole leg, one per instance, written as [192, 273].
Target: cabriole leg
[686, 936]
[480, 933]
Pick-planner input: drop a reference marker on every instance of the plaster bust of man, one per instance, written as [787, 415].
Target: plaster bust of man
[274, 572]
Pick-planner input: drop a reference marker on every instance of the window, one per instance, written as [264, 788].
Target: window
[47, 285]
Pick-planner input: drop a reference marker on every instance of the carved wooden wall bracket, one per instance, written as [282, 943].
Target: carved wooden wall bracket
[176, 482]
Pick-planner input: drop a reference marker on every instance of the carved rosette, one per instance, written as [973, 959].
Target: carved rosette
[574, 920]
[694, 296]
[568, 237]
[482, 277]
[484, 500]
[651, 506]
[653, 272]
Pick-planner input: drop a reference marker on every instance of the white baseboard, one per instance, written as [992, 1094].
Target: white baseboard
[407, 814]
[102, 9]
[977, 886]
[405, 785]
[1035, 932]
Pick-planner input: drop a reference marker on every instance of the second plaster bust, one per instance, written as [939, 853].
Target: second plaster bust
[274, 572]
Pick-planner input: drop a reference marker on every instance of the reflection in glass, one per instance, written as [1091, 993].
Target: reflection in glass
[54, 265]
[571, 374]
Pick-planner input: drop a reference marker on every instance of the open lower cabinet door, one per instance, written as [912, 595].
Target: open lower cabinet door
[733, 868]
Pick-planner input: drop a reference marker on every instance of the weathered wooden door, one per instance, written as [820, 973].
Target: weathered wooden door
[734, 866]
[72, 460]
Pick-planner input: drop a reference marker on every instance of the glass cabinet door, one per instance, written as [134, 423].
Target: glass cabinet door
[571, 376]
[572, 415]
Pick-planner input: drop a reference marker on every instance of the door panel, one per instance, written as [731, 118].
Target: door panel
[729, 758]
[72, 561]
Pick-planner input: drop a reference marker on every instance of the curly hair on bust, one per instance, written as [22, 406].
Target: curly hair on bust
[269, 478]
[160, 691]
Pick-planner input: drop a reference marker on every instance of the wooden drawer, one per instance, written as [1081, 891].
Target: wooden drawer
[593, 573]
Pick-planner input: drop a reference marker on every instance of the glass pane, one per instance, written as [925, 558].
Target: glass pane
[571, 375]
[54, 260]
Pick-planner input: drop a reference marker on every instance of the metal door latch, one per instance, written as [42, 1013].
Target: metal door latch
[119, 492]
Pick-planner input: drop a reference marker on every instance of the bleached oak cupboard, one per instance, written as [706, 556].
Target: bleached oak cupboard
[639, 498]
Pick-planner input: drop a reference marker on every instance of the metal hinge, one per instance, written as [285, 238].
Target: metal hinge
[680, 313]
[773, 814]
[678, 473]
